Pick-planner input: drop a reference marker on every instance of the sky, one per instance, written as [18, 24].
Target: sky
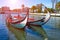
[13, 4]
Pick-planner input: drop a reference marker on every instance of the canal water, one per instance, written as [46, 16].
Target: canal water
[52, 28]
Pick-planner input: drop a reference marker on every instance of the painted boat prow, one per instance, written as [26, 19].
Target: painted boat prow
[21, 24]
[43, 20]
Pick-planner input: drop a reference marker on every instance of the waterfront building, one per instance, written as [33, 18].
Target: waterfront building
[5, 9]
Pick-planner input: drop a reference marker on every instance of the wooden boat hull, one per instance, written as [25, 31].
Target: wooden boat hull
[42, 21]
[21, 24]
[20, 34]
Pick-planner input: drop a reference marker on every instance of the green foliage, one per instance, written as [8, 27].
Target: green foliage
[33, 8]
[49, 9]
[57, 6]
[39, 11]
[45, 11]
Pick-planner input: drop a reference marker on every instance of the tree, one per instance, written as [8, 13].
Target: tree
[39, 7]
[45, 10]
[51, 10]
[39, 11]
[57, 6]
[33, 8]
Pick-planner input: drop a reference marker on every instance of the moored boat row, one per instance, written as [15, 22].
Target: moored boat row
[18, 26]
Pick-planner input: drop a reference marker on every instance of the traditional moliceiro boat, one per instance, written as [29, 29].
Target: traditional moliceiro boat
[43, 20]
[17, 27]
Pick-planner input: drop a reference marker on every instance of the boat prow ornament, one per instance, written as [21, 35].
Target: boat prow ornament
[43, 20]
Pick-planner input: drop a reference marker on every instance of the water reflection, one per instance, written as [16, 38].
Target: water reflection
[52, 28]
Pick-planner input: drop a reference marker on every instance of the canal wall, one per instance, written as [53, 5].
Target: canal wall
[52, 14]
